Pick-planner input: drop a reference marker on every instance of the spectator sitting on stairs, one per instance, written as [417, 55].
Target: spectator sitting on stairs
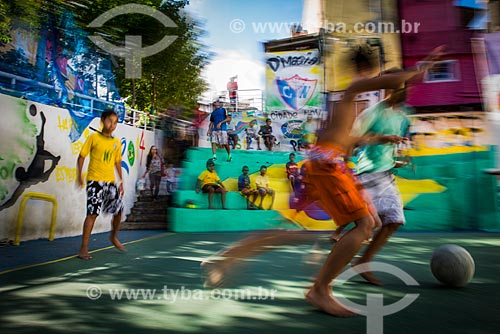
[266, 131]
[252, 134]
[209, 182]
[292, 171]
[262, 182]
[246, 190]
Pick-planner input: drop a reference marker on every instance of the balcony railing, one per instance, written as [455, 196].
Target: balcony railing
[86, 104]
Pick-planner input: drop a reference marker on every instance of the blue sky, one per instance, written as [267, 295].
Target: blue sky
[241, 53]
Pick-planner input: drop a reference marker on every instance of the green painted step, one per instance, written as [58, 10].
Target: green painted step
[238, 156]
[204, 220]
[233, 200]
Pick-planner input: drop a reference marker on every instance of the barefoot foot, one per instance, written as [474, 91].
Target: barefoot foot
[367, 275]
[84, 256]
[327, 304]
[117, 244]
[214, 274]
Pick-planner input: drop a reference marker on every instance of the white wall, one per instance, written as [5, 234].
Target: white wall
[19, 127]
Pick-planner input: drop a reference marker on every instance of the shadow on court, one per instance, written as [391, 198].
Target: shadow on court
[156, 287]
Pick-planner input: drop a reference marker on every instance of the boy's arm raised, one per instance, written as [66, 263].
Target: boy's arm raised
[339, 130]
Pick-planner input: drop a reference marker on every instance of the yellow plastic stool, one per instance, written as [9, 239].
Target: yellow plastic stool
[32, 195]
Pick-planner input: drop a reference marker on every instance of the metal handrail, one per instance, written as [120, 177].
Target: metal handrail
[137, 115]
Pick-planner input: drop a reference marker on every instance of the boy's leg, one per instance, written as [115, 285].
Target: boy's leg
[88, 225]
[113, 203]
[95, 196]
[379, 240]
[214, 147]
[273, 194]
[340, 198]
[234, 140]
[262, 193]
[246, 193]
[113, 237]
[336, 235]
[210, 191]
[222, 192]
[224, 141]
[386, 199]
[320, 295]
[218, 268]
[255, 195]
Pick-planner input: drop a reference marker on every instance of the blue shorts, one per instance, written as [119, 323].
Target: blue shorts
[103, 197]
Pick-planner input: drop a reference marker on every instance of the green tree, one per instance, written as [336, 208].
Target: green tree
[31, 14]
[169, 78]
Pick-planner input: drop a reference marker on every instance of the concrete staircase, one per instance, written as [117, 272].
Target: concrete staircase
[148, 214]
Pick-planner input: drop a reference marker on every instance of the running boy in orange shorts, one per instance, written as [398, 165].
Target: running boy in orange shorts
[333, 187]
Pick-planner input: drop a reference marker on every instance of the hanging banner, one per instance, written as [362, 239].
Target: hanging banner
[294, 91]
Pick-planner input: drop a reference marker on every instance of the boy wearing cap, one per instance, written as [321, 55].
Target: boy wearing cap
[209, 182]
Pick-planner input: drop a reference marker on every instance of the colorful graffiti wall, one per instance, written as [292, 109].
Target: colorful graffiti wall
[59, 67]
[37, 155]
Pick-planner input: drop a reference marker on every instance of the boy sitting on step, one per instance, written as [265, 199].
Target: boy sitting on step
[246, 190]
